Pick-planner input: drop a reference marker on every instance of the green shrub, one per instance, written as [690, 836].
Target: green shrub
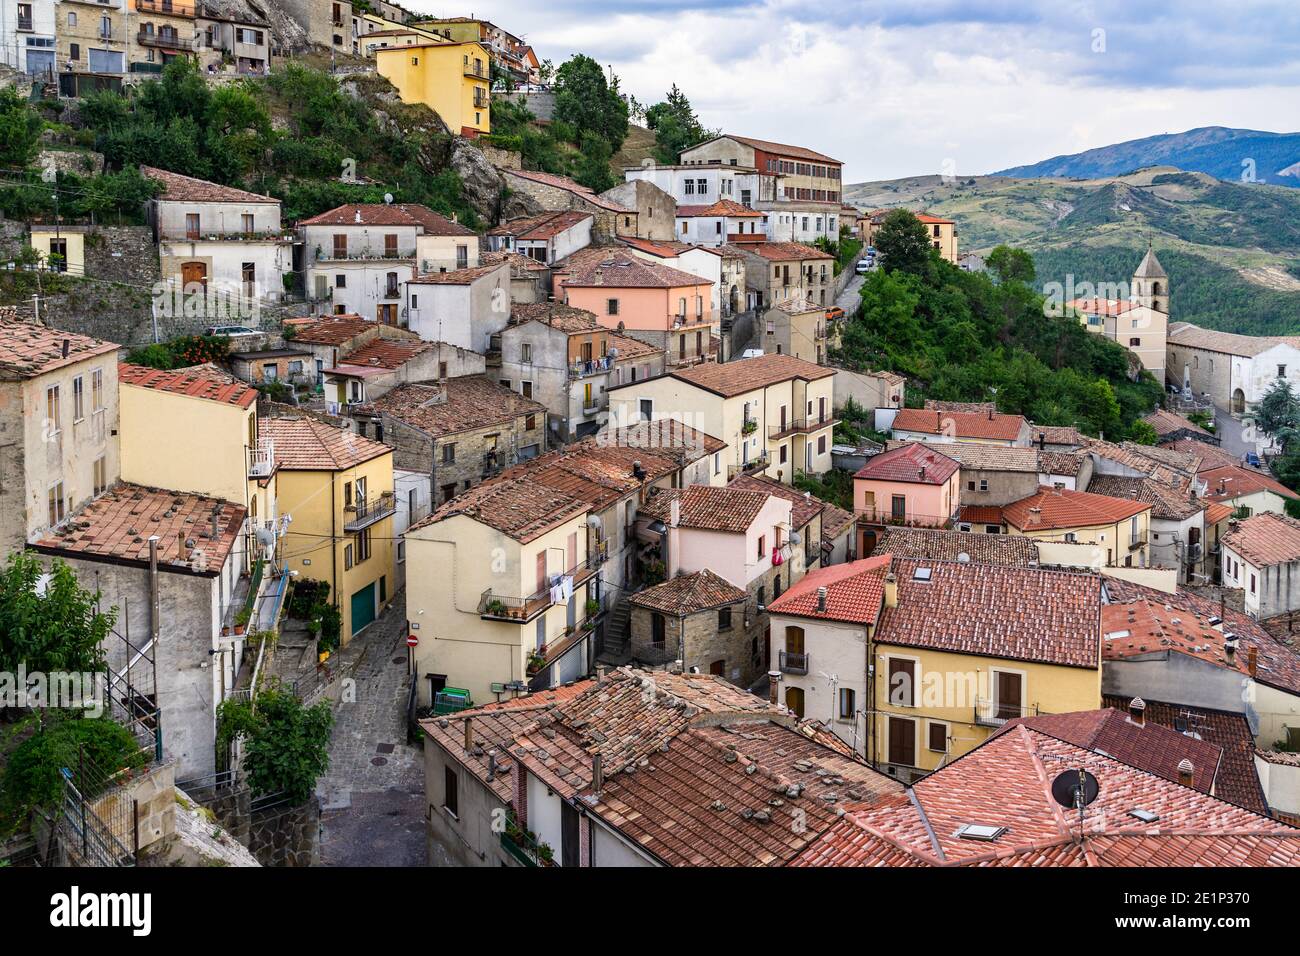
[33, 776]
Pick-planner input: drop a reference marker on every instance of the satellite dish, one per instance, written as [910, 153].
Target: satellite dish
[1070, 785]
[388, 198]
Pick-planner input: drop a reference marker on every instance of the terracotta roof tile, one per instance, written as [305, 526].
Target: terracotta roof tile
[1228, 482]
[689, 594]
[780, 149]
[630, 349]
[198, 381]
[335, 330]
[385, 353]
[384, 214]
[178, 188]
[458, 276]
[618, 269]
[517, 507]
[1167, 423]
[306, 444]
[746, 375]
[662, 434]
[1265, 539]
[1173, 503]
[1229, 343]
[707, 508]
[1055, 508]
[1028, 614]
[991, 425]
[566, 318]
[913, 462]
[118, 524]
[1101, 306]
[804, 507]
[854, 592]
[569, 186]
[539, 228]
[979, 457]
[785, 251]
[1064, 463]
[1014, 551]
[515, 260]
[981, 514]
[1057, 434]
[599, 472]
[723, 207]
[1211, 455]
[457, 405]
[28, 349]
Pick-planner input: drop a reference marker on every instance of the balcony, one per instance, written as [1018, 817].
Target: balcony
[992, 713]
[593, 367]
[261, 460]
[758, 463]
[25, 24]
[481, 100]
[169, 7]
[800, 426]
[345, 255]
[164, 38]
[1137, 541]
[901, 519]
[521, 610]
[476, 71]
[793, 663]
[369, 511]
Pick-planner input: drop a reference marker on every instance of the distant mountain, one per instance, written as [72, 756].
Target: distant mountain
[1232, 251]
[1217, 151]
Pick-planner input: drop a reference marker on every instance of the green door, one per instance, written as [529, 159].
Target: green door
[363, 607]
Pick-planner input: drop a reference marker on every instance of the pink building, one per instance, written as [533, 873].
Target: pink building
[911, 485]
[648, 301]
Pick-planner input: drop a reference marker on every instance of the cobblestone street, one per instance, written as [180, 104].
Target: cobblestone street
[372, 796]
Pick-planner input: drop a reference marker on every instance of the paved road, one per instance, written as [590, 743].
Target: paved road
[372, 796]
[1234, 434]
[851, 297]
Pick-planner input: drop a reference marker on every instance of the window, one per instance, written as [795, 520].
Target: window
[1252, 582]
[192, 225]
[101, 475]
[449, 453]
[450, 797]
[72, 22]
[724, 619]
[341, 281]
[363, 545]
[938, 737]
[1281, 371]
[74, 50]
[782, 454]
[657, 629]
[902, 682]
[611, 306]
[347, 557]
[246, 221]
[78, 399]
[56, 503]
[526, 353]
[1135, 342]
[530, 423]
[340, 246]
[984, 484]
[848, 703]
[52, 403]
[762, 546]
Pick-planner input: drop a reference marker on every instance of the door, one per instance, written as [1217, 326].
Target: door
[1009, 695]
[902, 741]
[387, 314]
[363, 607]
[569, 823]
[794, 700]
[194, 276]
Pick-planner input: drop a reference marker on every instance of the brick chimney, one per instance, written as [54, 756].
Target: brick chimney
[891, 590]
[597, 774]
[469, 733]
[1186, 771]
[773, 686]
[1137, 711]
[1252, 660]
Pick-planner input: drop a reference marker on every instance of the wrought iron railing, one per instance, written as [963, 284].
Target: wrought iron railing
[994, 713]
[791, 663]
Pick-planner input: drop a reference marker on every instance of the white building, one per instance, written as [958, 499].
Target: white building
[465, 307]
[1261, 555]
[1231, 371]
[705, 185]
[546, 238]
[27, 35]
[221, 239]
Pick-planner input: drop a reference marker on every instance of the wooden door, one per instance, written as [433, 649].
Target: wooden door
[194, 276]
[902, 682]
[902, 741]
[541, 571]
[794, 700]
[1009, 695]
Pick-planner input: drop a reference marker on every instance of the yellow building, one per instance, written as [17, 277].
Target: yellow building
[337, 490]
[941, 232]
[1117, 528]
[92, 36]
[452, 79]
[962, 648]
[499, 582]
[196, 430]
[61, 248]
[775, 411]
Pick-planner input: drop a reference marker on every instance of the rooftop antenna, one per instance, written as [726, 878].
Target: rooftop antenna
[1075, 789]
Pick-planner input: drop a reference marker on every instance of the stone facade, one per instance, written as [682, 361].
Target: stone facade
[149, 800]
[122, 254]
[656, 210]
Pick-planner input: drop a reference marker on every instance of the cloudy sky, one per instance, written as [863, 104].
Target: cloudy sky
[909, 87]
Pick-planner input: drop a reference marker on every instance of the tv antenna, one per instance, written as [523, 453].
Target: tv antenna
[1074, 790]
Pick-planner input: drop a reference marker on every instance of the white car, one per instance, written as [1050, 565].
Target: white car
[864, 266]
[231, 331]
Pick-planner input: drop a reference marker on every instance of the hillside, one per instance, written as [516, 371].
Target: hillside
[1215, 150]
[1232, 250]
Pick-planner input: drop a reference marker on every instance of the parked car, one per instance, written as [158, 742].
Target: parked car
[1251, 459]
[835, 312]
[230, 331]
[864, 266]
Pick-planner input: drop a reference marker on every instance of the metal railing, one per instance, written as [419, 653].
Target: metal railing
[520, 610]
[803, 424]
[334, 255]
[261, 459]
[165, 6]
[758, 463]
[1136, 541]
[161, 38]
[791, 663]
[369, 511]
[992, 713]
[902, 519]
[591, 367]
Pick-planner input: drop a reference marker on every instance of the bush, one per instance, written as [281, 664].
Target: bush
[286, 744]
[33, 776]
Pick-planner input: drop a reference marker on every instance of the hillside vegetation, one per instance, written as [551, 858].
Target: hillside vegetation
[1232, 250]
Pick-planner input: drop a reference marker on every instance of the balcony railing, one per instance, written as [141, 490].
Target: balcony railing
[25, 24]
[261, 461]
[337, 255]
[1136, 541]
[758, 463]
[476, 70]
[163, 39]
[902, 519]
[793, 663]
[366, 513]
[801, 425]
[171, 7]
[520, 610]
[593, 367]
[992, 713]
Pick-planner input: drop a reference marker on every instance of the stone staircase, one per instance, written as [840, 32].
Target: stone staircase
[618, 634]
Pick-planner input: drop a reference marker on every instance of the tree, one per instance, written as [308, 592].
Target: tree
[20, 130]
[286, 745]
[1011, 265]
[1277, 414]
[33, 774]
[903, 243]
[593, 169]
[1142, 433]
[589, 103]
[49, 623]
[675, 125]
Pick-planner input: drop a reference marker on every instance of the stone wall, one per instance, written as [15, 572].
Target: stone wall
[286, 837]
[122, 254]
[540, 104]
[153, 795]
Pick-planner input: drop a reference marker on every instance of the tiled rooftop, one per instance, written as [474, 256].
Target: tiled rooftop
[569, 186]
[28, 349]
[1010, 550]
[854, 592]
[518, 507]
[723, 207]
[620, 269]
[1227, 482]
[539, 228]
[196, 533]
[689, 594]
[466, 276]
[985, 425]
[178, 188]
[785, 251]
[804, 507]
[306, 444]
[1166, 423]
[198, 381]
[1027, 614]
[1006, 782]
[912, 462]
[1055, 508]
[1166, 501]
[460, 404]
[707, 508]
[981, 457]
[566, 318]
[385, 353]
[384, 214]
[729, 379]
[334, 330]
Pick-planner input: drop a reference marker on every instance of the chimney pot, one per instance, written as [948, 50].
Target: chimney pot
[597, 774]
[773, 683]
[469, 733]
[1252, 660]
[891, 590]
[1186, 771]
[1137, 708]
[821, 599]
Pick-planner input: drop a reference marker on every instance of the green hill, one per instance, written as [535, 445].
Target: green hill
[1232, 250]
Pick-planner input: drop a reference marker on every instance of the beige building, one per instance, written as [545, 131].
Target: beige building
[775, 411]
[941, 232]
[1118, 529]
[92, 36]
[796, 327]
[160, 31]
[777, 272]
[1139, 323]
[59, 416]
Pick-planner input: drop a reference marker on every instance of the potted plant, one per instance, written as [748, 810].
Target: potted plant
[592, 607]
[242, 618]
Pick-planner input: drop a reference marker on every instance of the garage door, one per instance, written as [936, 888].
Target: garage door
[363, 607]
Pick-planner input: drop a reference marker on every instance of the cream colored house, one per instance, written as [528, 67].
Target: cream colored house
[1119, 527]
[774, 411]
[1140, 322]
[59, 413]
[498, 581]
